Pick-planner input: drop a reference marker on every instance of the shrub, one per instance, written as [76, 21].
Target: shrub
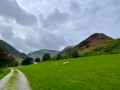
[75, 54]
[27, 61]
[37, 59]
[46, 57]
[58, 57]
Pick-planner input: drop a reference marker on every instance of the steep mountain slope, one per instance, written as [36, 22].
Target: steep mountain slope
[93, 40]
[111, 47]
[12, 50]
[40, 53]
[65, 50]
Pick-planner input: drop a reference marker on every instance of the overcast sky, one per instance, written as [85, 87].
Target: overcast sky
[30, 25]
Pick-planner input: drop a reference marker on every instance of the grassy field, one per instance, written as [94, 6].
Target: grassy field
[4, 72]
[84, 73]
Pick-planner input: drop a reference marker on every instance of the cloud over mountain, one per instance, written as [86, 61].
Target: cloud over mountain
[29, 25]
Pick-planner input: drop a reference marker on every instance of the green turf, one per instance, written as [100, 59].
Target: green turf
[12, 81]
[84, 73]
[4, 72]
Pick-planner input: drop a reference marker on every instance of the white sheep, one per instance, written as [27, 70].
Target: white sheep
[56, 64]
[66, 63]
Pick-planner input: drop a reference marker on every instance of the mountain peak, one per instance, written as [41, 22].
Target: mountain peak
[95, 35]
[93, 40]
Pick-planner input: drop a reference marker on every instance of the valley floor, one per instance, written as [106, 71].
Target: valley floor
[84, 73]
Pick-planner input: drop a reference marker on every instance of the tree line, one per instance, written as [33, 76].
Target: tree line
[47, 57]
[6, 60]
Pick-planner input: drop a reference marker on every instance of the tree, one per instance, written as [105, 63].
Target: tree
[16, 63]
[6, 60]
[37, 59]
[3, 57]
[29, 58]
[46, 57]
[75, 54]
[10, 61]
[27, 61]
[58, 57]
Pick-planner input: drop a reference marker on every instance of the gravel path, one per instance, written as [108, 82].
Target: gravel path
[4, 81]
[23, 83]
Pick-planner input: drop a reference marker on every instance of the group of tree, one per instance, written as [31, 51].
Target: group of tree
[72, 54]
[75, 54]
[27, 61]
[47, 57]
[58, 57]
[30, 60]
[37, 59]
[6, 60]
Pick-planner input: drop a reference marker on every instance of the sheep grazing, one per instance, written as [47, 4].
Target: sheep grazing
[66, 63]
[56, 64]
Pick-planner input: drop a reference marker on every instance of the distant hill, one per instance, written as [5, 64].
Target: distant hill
[12, 50]
[40, 53]
[66, 50]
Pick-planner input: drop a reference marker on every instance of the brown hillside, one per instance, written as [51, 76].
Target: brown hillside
[93, 40]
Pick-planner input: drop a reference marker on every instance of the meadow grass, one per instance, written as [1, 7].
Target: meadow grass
[4, 72]
[84, 73]
[13, 81]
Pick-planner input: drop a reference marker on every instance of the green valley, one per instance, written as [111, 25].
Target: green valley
[84, 73]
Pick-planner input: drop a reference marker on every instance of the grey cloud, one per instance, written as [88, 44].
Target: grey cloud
[10, 9]
[46, 40]
[98, 15]
[59, 26]
[75, 6]
[54, 20]
[53, 41]
[6, 32]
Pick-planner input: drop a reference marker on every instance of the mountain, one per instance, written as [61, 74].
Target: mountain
[111, 47]
[65, 50]
[93, 40]
[12, 50]
[40, 53]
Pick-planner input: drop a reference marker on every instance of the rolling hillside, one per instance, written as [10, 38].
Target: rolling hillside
[84, 73]
[12, 50]
[40, 53]
[96, 39]
[111, 47]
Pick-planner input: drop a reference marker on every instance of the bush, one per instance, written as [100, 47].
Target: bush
[37, 59]
[16, 63]
[46, 57]
[59, 57]
[75, 54]
[27, 61]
